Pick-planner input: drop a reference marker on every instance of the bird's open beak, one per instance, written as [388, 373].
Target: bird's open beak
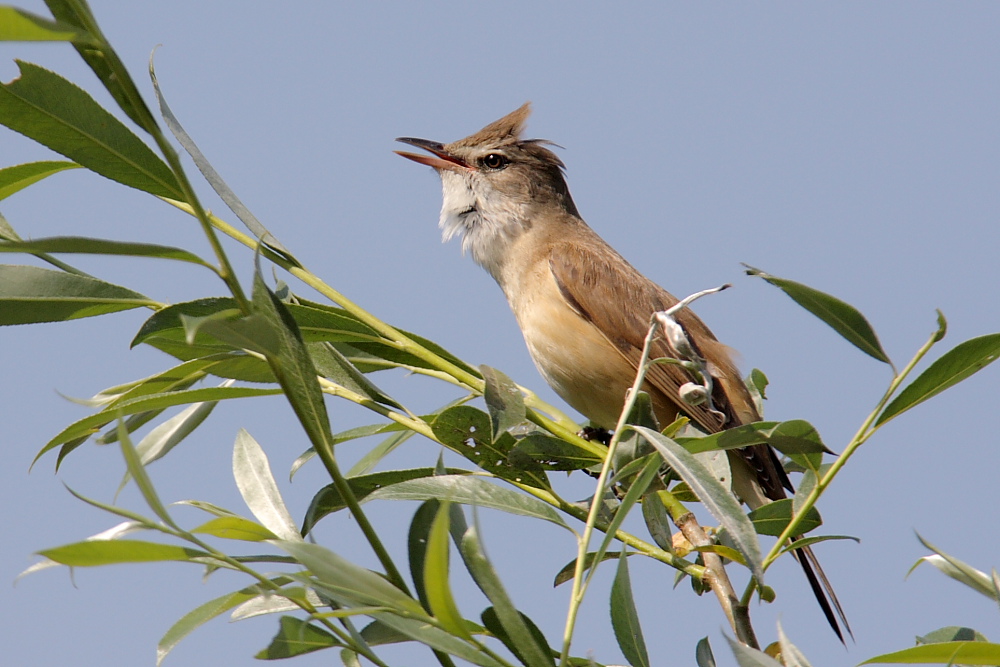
[440, 159]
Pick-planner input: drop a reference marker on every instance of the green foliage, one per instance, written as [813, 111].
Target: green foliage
[276, 342]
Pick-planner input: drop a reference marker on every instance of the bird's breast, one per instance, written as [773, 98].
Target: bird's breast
[577, 361]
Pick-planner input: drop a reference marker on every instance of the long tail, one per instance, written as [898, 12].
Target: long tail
[823, 591]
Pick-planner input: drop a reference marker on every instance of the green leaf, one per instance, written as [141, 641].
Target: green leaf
[322, 322]
[519, 633]
[56, 113]
[368, 461]
[350, 583]
[636, 489]
[328, 499]
[333, 365]
[141, 477]
[17, 25]
[467, 431]
[436, 582]
[435, 638]
[199, 616]
[110, 552]
[103, 60]
[293, 367]
[963, 360]
[297, 637]
[416, 546]
[792, 437]
[260, 492]
[470, 490]
[554, 453]
[84, 245]
[944, 653]
[235, 528]
[374, 455]
[566, 573]
[214, 179]
[625, 618]
[16, 178]
[158, 442]
[803, 542]
[716, 498]
[658, 523]
[29, 294]
[844, 318]
[491, 622]
[771, 519]
[169, 322]
[90, 425]
[503, 400]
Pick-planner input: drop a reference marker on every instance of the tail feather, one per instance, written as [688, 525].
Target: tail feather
[823, 591]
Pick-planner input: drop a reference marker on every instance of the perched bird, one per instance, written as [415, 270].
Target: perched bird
[584, 311]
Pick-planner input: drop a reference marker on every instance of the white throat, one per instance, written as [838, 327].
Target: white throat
[486, 221]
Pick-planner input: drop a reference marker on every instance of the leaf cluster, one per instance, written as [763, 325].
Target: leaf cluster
[235, 343]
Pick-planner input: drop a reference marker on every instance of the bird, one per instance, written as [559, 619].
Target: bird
[584, 310]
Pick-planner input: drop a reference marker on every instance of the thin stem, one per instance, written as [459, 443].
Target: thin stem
[561, 425]
[864, 432]
[631, 395]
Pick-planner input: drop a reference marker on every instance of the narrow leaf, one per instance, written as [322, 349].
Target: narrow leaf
[88, 426]
[297, 637]
[416, 546]
[17, 25]
[625, 618]
[141, 478]
[354, 585]
[771, 519]
[30, 294]
[214, 179]
[436, 581]
[470, 490]
[329, 499]
[844, 318]
[56, 113]
[522, 637]
[260, 492]
[199, 616]
[333, 365]
[18, 177]
[964, 360]
[293, 367]
[718, 500]
[89, 246]
[235, 528]
[103, 60]
[111, 552]
[944, 653]
[163, 438]
[590, 560]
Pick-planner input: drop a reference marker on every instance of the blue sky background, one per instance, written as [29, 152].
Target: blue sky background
[851, 146]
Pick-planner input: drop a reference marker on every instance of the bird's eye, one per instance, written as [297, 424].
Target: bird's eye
[494, 161]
